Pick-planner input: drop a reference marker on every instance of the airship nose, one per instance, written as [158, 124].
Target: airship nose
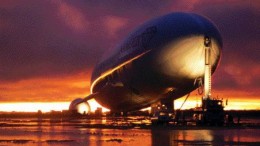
[185, 58]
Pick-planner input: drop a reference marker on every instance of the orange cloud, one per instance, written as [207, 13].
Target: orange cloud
[243, 75]
[113, 24]
[72, 16]
[64, 88]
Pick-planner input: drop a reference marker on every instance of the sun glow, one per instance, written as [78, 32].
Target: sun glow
[44, 106]
[94, 105]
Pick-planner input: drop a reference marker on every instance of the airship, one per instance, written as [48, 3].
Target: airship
[159, 61]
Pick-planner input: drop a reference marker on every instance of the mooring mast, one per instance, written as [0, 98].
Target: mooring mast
[207, 74]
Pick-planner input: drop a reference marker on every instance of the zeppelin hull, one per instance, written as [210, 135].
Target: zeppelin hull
[161, 59]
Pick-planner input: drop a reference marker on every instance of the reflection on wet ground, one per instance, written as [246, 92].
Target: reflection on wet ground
[207, 137]
[47, 132]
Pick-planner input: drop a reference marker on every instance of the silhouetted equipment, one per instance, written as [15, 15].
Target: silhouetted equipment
[98, 111]
[211, 113]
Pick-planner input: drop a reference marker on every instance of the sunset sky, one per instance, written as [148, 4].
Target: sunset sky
[48, 48]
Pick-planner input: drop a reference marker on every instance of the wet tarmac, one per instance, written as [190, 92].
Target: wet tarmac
[119, 133]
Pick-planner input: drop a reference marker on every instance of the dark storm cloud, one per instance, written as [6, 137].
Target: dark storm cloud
[53, 38]
[37, 40]
[49, 38]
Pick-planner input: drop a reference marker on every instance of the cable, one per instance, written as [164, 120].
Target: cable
[185, 100]
[198, 81]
